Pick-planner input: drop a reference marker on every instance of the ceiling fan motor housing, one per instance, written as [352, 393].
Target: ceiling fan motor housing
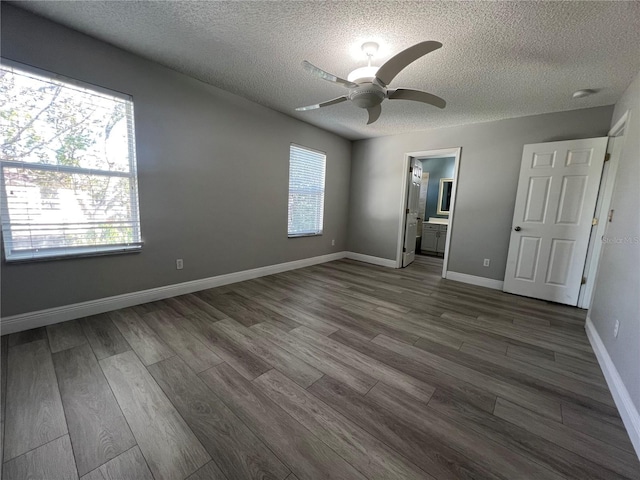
[367, 95]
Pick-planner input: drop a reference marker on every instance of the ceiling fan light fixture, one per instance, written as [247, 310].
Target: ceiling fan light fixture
[370, 48]
[368, 72]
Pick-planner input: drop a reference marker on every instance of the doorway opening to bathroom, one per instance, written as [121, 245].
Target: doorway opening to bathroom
[429, 192]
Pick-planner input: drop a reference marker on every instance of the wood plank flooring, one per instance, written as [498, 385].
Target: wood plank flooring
[342, 370]
[34, 414]
[97, 428]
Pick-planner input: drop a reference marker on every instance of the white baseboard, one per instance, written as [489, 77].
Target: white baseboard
[473, 280]
[40, 318]
[360, 257]
[626, 408]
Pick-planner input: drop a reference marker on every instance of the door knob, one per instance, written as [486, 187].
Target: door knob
[517, 229]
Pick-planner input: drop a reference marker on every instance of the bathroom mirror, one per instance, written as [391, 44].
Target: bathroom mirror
[444, 196]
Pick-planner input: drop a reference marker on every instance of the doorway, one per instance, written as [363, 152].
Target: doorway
[435, 217]
[603, 213]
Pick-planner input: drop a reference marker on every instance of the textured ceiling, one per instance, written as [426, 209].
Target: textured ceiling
[499, 59]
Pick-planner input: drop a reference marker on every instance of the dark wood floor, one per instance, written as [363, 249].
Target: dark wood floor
[342, 370]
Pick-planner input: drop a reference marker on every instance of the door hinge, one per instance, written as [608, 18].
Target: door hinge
[410, 169]
[408, 210]
[404, 250]
[594, 222]
[607, 157]
[584, 280]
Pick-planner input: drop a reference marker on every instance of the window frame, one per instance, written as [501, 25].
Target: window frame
[79, 251]
[324, 183]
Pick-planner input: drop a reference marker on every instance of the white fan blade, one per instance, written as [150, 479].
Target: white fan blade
[374, 113]
[416, 95]
[326, 75]
[395, 64]
[323, 104]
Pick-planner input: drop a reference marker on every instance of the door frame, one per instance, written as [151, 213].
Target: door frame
[404, 193]
[605, 194]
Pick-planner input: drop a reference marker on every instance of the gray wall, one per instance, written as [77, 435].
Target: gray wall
[438, 168]
[488, 179]
[618, 278]
[207, 162]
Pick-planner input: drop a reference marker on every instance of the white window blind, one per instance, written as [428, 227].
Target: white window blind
[68, 167]
[306, 191]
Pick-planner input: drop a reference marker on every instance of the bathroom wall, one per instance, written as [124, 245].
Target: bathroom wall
[438, 168]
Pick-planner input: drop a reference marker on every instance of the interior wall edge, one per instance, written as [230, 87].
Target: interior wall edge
[614, 304]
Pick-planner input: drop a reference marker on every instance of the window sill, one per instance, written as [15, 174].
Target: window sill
[299, 235]
[79, 252]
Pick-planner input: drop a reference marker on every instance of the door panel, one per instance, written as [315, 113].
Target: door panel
[555, 202]
[579, 157]
[560, 262]
[537, 200]
[543, 160]
[528, 258]
[410, 232]
[571, 199]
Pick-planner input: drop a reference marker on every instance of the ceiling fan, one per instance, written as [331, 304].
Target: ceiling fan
[368, 85]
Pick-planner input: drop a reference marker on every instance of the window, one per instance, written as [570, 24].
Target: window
[68, 167]
[306, 191]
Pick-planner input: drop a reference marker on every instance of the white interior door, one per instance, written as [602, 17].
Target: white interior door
[555, 202]
[413, 202]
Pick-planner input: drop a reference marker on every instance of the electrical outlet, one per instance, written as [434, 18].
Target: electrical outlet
[486, 262]
[333, 242]
[616, 329]
[179, 264]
